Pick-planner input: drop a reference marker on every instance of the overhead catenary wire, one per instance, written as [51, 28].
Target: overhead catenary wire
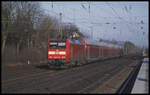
[92, 3]
[73, 19]
[123, 20]
[95, 23]
[129, 16]
[119, 16]
[87, 22]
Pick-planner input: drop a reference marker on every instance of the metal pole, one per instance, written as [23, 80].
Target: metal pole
[92, 32]
[74, 15]
[60, 30]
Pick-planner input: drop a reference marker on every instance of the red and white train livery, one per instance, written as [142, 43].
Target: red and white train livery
[61, 52]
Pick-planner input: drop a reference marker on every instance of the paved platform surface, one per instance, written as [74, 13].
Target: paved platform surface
[141, 84]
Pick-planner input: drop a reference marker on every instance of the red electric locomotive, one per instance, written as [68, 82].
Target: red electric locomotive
[64, 52]
[70, 52]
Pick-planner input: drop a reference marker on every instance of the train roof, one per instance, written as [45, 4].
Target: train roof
[74, 41]
[57, 40]
[94, 42]
[105, 44]
[91, 42]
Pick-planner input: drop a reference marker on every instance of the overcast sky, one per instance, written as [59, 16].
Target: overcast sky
[121, 21]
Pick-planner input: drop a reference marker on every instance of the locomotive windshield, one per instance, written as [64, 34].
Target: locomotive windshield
[57, 45]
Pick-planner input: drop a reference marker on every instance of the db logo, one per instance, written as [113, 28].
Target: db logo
[57, 51]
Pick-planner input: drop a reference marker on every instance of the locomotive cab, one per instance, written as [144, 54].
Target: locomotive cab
[57, 52]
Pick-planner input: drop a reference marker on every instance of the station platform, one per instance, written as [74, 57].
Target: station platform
[141, 84]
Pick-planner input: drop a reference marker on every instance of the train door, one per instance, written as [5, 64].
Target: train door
[101, 51]
[88, 52]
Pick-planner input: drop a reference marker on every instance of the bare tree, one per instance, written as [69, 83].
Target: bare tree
[7, 19]
[71, 31]
[25, 19]
[48, 28]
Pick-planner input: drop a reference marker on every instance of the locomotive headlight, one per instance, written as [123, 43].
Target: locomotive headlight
[50, 57]
[63, 57]
[51, 52]
[62, 52]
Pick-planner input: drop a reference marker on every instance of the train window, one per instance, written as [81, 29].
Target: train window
[53, 43]
[61, 44]
[57, 45]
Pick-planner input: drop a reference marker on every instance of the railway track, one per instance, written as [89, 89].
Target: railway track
[85, 79]
[10, 73]
[114, 84]
[67, 79]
